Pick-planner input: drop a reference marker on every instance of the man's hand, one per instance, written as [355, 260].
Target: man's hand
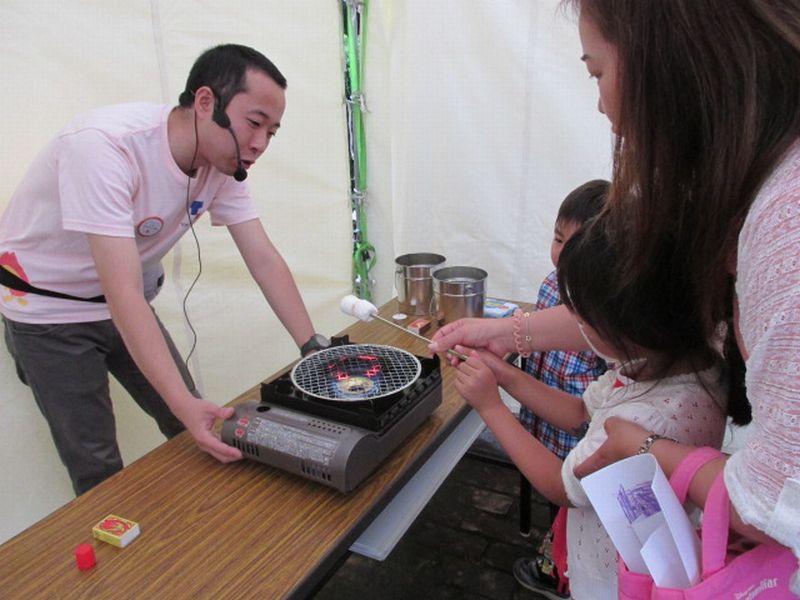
[199, 417]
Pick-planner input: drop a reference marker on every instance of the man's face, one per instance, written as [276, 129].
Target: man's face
[255, 116]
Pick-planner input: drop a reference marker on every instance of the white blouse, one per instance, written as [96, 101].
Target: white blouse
[689, 408]
[763, 478]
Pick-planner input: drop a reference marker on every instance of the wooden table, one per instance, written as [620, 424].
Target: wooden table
[209, 530]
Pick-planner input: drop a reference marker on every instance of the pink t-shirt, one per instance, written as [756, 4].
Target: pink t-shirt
[109, 172]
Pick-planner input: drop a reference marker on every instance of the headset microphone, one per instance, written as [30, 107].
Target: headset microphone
[220, 118]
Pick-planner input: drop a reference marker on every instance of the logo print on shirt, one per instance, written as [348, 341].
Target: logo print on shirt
[193, 211]
[150, 226]
[9, 262]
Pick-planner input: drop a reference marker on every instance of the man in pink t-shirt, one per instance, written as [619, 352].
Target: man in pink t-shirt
[81, 244]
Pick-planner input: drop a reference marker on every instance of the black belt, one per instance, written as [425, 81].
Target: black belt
[11, 281]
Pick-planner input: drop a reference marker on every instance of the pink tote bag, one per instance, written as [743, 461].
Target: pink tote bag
[762, 573]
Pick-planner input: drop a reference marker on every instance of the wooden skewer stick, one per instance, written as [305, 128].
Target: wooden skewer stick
[364, 310]
[416, 335]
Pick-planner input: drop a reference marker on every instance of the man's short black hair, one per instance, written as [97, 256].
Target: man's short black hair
[223, 69]
[584, 202]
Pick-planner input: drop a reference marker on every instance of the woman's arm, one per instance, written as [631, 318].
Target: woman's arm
[550, 329]
[624, 440]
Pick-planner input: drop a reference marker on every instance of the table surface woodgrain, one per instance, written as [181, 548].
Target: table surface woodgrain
[209, 530]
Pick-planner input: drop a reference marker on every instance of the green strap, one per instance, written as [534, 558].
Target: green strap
[354, 14]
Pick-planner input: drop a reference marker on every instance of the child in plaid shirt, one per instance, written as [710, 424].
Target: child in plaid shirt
[571, 372]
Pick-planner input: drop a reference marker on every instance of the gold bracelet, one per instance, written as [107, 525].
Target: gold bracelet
[528, 338]
[650, 440]
[517, 330]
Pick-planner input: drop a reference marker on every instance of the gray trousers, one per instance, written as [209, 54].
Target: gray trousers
[66, 365]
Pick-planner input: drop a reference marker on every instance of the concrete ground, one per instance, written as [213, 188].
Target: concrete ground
[462, 545]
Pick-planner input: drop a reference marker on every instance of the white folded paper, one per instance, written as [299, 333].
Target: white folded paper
[645, 520]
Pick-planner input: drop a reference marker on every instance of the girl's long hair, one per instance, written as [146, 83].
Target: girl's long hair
[646, 314]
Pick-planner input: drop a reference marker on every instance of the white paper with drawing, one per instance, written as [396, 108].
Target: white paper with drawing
[645, 520]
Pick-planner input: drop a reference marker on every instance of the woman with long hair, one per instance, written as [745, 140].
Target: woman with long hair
[704, 97]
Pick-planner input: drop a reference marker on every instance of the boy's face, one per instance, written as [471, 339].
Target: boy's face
[563, 231]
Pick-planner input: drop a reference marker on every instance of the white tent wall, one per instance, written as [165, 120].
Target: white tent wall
[493, 121]
[481, 119]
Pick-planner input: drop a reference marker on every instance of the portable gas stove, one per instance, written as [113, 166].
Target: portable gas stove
[338, 413]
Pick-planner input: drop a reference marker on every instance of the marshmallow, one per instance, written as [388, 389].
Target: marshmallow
[347, 304]
[362, 310]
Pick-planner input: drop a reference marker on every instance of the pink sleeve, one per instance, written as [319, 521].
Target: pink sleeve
[96, 185]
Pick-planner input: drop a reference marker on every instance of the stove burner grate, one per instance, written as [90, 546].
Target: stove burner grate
[356, 372]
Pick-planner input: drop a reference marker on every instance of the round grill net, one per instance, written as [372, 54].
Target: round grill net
[356, 372]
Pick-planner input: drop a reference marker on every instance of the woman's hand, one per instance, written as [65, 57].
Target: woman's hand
[495, 335]
[624, 440]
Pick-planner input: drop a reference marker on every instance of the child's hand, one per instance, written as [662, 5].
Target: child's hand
[476, 382]
[500, 368]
